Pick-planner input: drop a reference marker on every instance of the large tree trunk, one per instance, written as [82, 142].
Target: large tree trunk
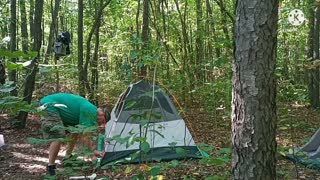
[254, 90]
[33, 68]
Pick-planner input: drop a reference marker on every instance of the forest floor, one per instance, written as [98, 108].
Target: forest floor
[21, 160]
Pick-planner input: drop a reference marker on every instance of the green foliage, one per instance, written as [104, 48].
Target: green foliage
[13, 104]
[289, 92]
[219, 93]
[18, 54]
[174, 163]
[155, 170]
[7, 87]
[145, 147]
[73, 164]
[205, 147]
[181, 151]
[215, 177]
[41, 141]
[221, 159]
[81, 129]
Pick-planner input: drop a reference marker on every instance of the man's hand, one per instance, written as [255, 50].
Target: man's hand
[98, 153]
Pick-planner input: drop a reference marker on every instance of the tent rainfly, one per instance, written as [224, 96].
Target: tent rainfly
[145, 126]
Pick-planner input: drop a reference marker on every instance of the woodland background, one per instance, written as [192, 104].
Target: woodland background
[186, 46]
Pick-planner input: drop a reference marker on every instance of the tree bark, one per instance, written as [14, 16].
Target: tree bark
[54, 22]
[315, 101]
[223, 9]
[24, 29]
[186, 57]
[145, 35]
[199, 41]
[254, 90]
[96, 25]
[13, 42]
[33, 68]
[224, 24]
[80, 49]
[286, 58]
[2, 72]
[31, 14]
[137, 19]
[94, 64]
[212, 27]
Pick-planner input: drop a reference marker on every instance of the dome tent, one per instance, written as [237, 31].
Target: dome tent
[145, 126]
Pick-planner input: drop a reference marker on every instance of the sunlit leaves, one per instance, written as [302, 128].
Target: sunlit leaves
[14, 66]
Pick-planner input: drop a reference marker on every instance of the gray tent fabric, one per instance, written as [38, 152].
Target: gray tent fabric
[313, 146]
[146, 126]
[307, 155]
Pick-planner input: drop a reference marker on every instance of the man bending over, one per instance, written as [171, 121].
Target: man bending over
[66, 109]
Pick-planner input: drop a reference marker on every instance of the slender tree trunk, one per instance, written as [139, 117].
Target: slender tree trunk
[165, 28]
[163, 38]
[137, 19]
[186, 51]
[31, 14]
[312, 72]
[94, 64]
[224, 24]
[212, 27]
[145, 35]
[24, 26]
[31, 76]
[96, 25]
[254, 90]
[54, 22]
[199, 42]
[13, 41]
[80, 49]
[2, 72]
[286, 58]
[4, 33]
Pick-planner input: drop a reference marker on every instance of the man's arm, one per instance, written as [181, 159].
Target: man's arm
[92, 145]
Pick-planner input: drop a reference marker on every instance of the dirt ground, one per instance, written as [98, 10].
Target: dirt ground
[21, 160]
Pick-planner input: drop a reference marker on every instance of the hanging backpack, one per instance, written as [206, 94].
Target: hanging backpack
[61, 45]
[59, 49]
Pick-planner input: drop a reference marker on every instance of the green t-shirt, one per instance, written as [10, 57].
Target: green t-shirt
[73, 109]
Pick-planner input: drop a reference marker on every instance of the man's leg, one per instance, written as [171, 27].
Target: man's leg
[52, 128]
[72, 143]
[53, 152]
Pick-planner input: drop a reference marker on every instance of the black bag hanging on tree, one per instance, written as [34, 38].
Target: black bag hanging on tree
[61, 45]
